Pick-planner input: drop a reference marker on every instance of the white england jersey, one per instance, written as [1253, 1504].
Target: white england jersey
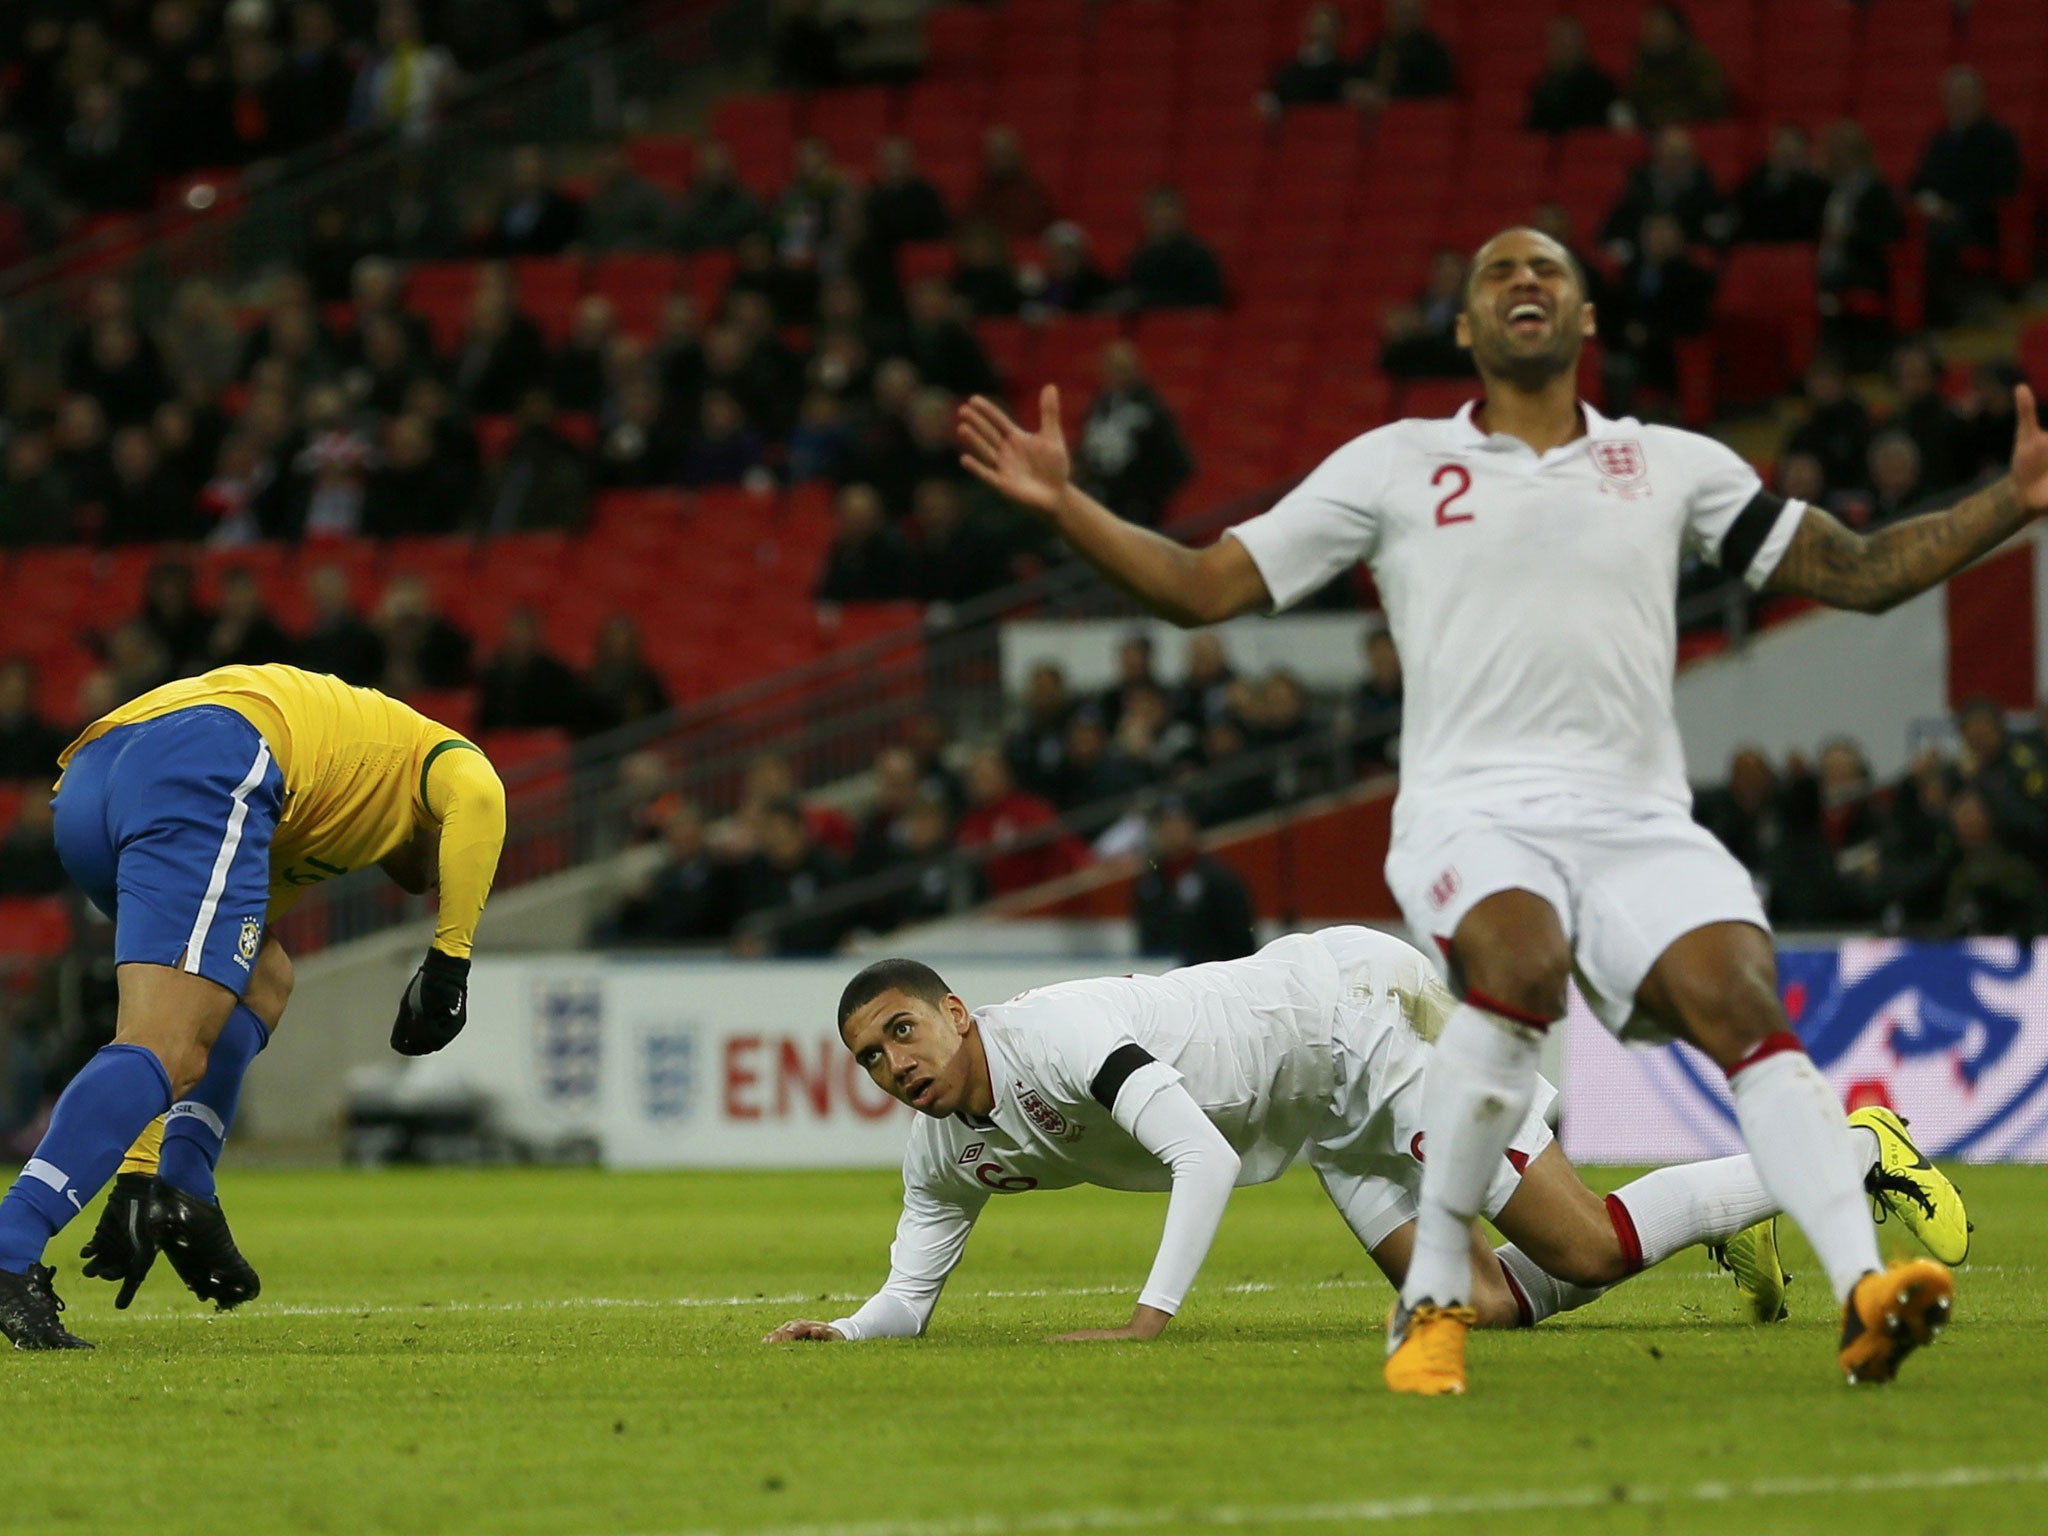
[1282, 1049]
[1532, 598]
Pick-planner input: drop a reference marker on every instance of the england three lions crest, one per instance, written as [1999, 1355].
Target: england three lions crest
[1049, 1121]
[1624, 472]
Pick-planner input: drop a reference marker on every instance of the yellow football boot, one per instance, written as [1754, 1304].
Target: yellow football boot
[1751, 1256]
[1904, 1184]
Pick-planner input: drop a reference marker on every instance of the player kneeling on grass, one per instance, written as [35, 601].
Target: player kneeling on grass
[1219, 1075]
[193, 816]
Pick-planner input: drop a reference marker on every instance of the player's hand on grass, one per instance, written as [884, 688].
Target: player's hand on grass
[435, 1006]
[1031, 468]
[802, 1331]
[122, 1247]
[1145, 1323]
[2029, 453]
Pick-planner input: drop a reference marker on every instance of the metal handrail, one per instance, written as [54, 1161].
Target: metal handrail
[1337, 747]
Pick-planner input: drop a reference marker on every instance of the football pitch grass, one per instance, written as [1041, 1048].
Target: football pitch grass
[548, 1351]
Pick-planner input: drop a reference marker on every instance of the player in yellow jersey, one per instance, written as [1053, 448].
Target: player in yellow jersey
[193, 816]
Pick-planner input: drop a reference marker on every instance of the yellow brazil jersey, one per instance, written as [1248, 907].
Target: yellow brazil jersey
[362, 774]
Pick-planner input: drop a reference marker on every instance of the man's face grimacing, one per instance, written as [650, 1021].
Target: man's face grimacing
[914, 1049]
[1525, 315]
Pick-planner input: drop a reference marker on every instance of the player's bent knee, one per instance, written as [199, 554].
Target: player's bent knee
[1728, 1019]
[1531, 983]
[270, 988]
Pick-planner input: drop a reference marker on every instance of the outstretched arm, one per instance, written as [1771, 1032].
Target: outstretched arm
[1172, 1127]
[1189, 587]
[1871, 573]
[930, 1237]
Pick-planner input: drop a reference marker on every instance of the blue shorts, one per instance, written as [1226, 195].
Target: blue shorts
[166, 826]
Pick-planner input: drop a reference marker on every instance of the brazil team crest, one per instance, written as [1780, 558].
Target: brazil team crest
[251, 941]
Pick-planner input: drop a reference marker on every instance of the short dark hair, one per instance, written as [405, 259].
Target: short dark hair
[913, 977]
[1571, 262]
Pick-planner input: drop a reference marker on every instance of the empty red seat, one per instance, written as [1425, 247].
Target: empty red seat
[638, 287]
[666, 159]
[2033, 352]
[34, 927]
[957, 40]
[851, 122]
[523, 758]
[1765, 320]
[760, 131]
[452, 707]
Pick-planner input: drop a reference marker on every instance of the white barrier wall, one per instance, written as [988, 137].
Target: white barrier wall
[685, 1064]
[1325, 650]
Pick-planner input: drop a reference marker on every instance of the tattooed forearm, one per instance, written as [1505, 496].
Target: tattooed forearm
[1871, 573]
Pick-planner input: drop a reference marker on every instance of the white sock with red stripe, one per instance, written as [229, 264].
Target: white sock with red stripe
[1480, 1083]
[1538, 1293]
[1804, 1156]
[1665, 1212]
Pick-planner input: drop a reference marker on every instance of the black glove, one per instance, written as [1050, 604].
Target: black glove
[123, 1245]
[434, 1008]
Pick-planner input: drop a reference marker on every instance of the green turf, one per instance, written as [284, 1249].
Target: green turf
[502, 1352]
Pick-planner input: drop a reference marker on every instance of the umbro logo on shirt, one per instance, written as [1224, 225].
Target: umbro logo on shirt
[971, 1155]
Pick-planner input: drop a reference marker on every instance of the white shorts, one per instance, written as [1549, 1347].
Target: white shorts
[1369, 1150]
[1624, 881]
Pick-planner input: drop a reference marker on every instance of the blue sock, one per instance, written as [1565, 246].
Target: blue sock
[198, 1123]
[97, 1118]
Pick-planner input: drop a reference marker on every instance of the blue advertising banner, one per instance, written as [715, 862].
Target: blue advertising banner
[1952, 1036]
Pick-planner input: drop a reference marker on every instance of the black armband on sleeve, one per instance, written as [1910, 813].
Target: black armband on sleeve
[1746, 535]
[1116, 1071]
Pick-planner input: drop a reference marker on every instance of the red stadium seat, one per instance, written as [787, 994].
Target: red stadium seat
[638, 287]
[917, 259]
[2033, 356]
[945, 120]
[957, 40]
[445, 561]
[851, 122]
[1012, 347]
[549, 288]
[34, 927]
[1765, 320]
[452, 707]
[760, 131]
[666, 159]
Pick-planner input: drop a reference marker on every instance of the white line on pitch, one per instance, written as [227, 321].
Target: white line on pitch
[795, 1298]
[1418, 1507]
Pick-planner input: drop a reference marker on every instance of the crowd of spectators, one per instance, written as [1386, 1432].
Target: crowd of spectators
[1868, 466]
[1958, 847]
[328, 410]
[104, 106]
[1652, 266]
[403, 644]
[1132, 772]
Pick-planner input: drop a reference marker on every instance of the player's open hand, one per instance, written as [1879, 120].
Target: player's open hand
[1031, 468]
[803, 1331]
[2029, 453]
[1146, 1323]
